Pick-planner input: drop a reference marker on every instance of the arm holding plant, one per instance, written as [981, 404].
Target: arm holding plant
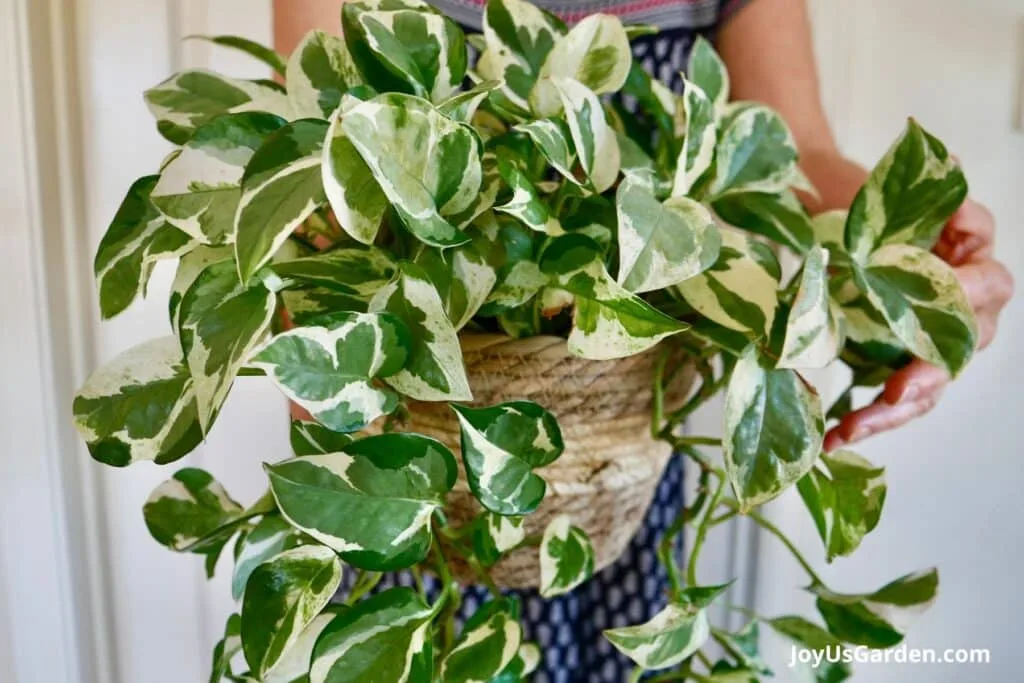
[767, 48]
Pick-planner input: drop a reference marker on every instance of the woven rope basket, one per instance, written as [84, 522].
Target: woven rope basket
[606, 478]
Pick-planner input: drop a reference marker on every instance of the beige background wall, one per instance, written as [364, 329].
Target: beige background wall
[87, 597]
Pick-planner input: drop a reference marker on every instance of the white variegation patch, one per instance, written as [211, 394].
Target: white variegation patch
[596, 145]
[463, 279]
[488, 644]
[318, 73]
[518, 37]
[700, 136]
[674, 634]
[553, 138]
[519, 285]
[505, 532]
[756, 153]
[813, 335]
[707, 70]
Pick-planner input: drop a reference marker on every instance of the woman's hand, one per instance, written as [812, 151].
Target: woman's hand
[966, 244]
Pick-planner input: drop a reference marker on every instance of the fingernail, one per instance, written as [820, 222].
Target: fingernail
[910, 394]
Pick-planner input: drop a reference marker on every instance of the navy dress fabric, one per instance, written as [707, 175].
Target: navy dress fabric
[635, 588]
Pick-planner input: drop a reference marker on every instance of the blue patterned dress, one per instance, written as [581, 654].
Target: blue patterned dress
[635, 588]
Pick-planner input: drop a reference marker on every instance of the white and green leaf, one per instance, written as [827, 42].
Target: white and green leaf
[320, 70]
[525, 203]
[137, 238]
[773, 431]
[200, 188]
[489, 642]
[282, 186]
[595, 52]
[271, 536]
[781, 218]
[357, 199]
[385, 637]
[707, 71]
[661, 243]
[740, 291]
[846, 502]
[911, 193]
[597, 148]
[434, 370]
[566, 557]
[700, 136]
[921, 299]
[282, 597]
[190, 512]
[312, 438]
[495, 535]
[519, 36]
[329, 369]
[358, 272]
[501, 446]
[372, 502]
[140, 406]
[755, 153]
[813, 335]
[220, 322]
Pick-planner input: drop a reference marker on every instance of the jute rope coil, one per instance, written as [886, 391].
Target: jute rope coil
[606, 477]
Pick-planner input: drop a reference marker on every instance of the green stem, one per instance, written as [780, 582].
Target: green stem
[722, 518]
[658, 394]
[366, 582]
[685, 516]
[702, 532]
[775, 531]
[698, 441]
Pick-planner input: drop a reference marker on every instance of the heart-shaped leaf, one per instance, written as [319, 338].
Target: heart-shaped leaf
[756, 153]
[488, 643]
[191, 512]
[594, 52]
[364, 502]
[701, 134]
[320, 70]
[813, 335]
[312, 438]
[566, 557]
[268, 539]
[707, 71]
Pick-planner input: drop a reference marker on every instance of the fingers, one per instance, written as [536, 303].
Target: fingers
[987, 283]
[917, 379]
[878, 417]
[970, 233]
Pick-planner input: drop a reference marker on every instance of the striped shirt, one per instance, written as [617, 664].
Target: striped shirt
[696, 15]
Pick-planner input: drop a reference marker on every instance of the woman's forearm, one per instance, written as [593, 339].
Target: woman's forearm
[295, 18]
[836, 178]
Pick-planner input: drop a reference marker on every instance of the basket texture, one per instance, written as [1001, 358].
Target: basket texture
[606, 477]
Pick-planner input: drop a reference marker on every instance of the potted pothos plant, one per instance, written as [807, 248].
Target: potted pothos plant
[339, 230]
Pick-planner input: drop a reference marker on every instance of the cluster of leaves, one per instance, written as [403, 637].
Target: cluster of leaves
[504, 206]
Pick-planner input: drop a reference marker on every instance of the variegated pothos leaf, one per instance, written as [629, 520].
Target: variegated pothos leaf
[756, 153]
[813, 335]
[190, 512]
[329, 369]
[372, 502]
[271, 536]
[707, 71]
[312, 438]
[566, 557]
[488, 643]
[140, 406]
[700, 136]
[282, 597]
[320, 70]
[774, 428]
[596, 146]
[594, 52]
[501, 446]
[462, 277]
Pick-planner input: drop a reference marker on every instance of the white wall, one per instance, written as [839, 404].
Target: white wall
[954, 476]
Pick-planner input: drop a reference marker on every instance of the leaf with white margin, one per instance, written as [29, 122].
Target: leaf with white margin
[312, 438]
[190, 511]
[294, 665]
[139, 406]
[137, 238]
[519, 285]
[434, 370]
[707, 71]
[372, 502]
[920, 297]
[908, 198]
[462, 277]
[490, 187]
[594, 140]
[462, 106]
[200, 188]
[554, 140]
[220, 322]
[756, 153]
[320, 70]
[268, 539]
[190, 267]
[384, 638]
[281, 188]
[661, 243]
[566, 557]
[357, 199]
[740, 290]
[525, 203]
[774, 428]
[328, 369]
[813, 335]
[225, 650]
[358, 272]
[268, 56]
[701, 134]
[495, 535]
[846, 503]
[416, 51]
[780, 218]
[282, 597]
[501, 446]
[594, 52]
[881, 619]
[519, 37]
[488, 643]
[674, 633]
[610, 322]
[428, 165]
[190, 98]
[829, 228]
